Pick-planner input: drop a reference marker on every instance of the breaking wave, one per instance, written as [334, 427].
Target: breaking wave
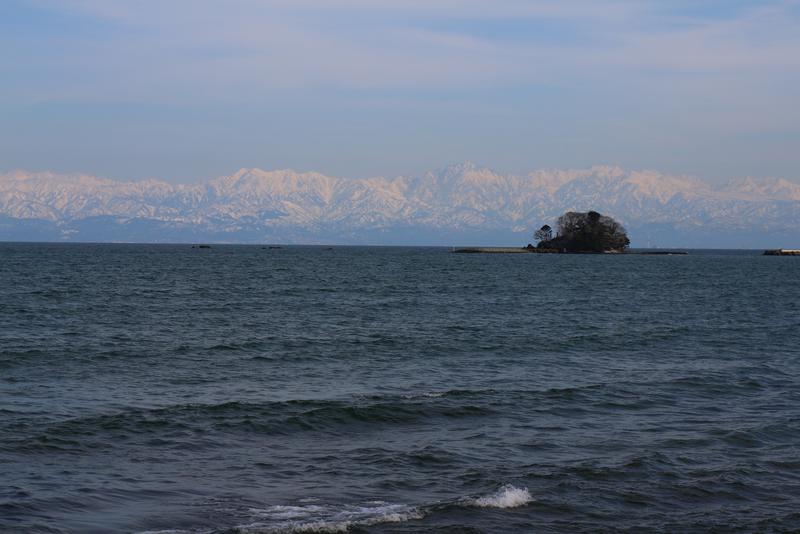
[506, 497]
[324, 518]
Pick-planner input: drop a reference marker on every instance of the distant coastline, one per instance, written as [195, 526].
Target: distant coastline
[503, 250]
[526, 250]
[782, 252]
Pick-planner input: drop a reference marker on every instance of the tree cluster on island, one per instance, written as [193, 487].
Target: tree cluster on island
[583, 232]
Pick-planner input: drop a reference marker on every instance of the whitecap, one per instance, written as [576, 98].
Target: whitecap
[325, 518]
[426, 395]
[506, 497]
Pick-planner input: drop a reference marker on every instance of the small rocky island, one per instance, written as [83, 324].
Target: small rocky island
[782, 252]
[584, 232]
[578, 233]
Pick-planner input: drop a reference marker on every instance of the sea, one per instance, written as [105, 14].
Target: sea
[255, 389]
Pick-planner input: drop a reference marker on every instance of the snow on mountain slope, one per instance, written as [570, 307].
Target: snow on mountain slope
[764, 189]
[460, 198]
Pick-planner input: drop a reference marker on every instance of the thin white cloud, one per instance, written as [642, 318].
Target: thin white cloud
[271, 44]
[646, 64]
[586, 9]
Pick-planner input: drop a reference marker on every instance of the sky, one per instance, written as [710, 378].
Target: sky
[186, 90]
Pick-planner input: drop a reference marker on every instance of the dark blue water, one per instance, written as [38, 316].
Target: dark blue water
[241, 389]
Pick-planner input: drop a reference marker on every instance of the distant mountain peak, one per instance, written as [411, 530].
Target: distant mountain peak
[763, 188]
[459, 199]
[459, 169]
[463, 166]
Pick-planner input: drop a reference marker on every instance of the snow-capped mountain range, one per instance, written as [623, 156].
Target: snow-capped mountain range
[459, 205]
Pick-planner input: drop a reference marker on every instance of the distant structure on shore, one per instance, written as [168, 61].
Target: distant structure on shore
[583, 232]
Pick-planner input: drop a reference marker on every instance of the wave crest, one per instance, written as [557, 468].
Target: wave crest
[320, 518]
[506, 497]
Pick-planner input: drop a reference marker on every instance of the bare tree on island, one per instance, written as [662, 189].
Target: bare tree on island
[587, 232]
[545, 233]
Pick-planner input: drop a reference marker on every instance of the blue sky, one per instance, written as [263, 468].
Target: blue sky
[185, 90]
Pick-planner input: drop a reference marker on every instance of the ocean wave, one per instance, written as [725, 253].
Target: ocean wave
[507, 496]
[311, 515]
[184, 421]
[325, 518]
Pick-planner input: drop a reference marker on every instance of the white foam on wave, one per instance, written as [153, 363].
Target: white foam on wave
[426, 395]
[506, 497]
[324, 518]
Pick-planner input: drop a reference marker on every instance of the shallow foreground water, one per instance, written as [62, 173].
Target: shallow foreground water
[302, 389]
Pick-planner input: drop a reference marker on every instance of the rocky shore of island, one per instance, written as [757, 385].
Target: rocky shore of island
[578, 233]
[782, 252]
